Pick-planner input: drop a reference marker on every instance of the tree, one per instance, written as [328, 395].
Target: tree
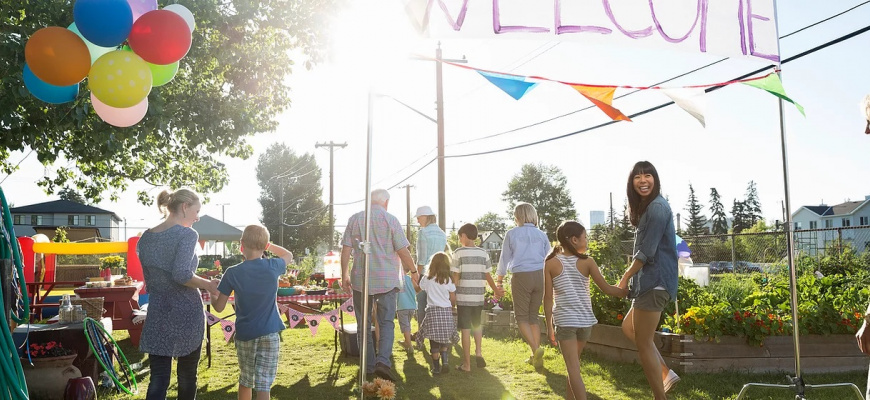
[695, 224]
[68, 193]
[292, 183]
[717, 211]
[544, 187]
[491, 222]
[228, 87]
[740, 217]
[753, 207]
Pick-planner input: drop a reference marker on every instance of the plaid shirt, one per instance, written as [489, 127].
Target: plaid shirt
[385, 272]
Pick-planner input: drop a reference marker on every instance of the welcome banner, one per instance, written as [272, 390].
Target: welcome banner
[733, 28]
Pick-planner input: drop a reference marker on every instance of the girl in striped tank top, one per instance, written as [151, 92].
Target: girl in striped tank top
[567, 304]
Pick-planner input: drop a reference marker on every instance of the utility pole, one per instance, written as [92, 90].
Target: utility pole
[332, 147]
[408, 209]
[612, 215]
[281, 226]
[439, 105]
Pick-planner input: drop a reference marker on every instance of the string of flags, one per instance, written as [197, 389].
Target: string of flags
[293, 318]
[689, 98]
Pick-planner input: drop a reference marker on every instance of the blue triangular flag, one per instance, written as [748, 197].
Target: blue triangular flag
[515, 86]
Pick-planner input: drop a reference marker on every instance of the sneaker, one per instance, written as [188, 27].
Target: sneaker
[410, 351]
[538, 361]
[436, 366]
[671, 380]
[382, 371]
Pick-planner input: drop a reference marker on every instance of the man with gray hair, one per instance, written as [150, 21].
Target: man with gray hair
[389, 253]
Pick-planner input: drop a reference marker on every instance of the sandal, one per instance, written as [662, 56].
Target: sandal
[481, 363]
[459, 368]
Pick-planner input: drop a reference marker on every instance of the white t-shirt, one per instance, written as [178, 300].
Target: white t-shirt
[438, 294]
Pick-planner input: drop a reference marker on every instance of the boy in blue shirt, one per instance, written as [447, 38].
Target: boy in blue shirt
[406, 308]
[258, 323]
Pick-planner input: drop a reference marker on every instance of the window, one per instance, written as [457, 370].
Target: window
[73, 219]
[813, 224]
[865, 221]
[92, 220]
[36, 220]
[846, 222]
[797, 226]
[18, 220]
[829, 223]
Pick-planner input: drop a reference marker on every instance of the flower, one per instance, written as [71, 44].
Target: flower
[50, 349]
[383, 389]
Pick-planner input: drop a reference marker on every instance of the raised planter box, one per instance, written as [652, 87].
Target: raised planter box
[833, 353]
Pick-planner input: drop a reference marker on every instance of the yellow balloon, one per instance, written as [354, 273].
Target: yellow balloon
[120, 79]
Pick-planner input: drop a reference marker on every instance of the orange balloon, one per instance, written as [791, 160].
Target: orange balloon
[57, 56]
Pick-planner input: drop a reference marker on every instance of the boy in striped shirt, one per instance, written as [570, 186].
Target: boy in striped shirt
[472, 270]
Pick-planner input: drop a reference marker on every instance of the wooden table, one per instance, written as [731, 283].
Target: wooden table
[119, 303]
[299, 303]
[37, 297]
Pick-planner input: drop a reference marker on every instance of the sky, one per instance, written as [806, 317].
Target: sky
[375, 50]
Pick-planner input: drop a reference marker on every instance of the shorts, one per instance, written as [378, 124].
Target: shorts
[258, 361]
[652, 300]
[527, 289]
[469, 317]
[572, 333]
[405, 319]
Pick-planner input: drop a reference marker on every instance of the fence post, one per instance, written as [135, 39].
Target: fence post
[733, 253]
[839, 242]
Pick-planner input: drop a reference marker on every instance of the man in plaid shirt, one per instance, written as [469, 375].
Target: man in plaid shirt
[389, 253]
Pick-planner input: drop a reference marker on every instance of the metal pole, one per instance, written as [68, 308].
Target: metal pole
[281, 207]
[364, 329]
[439, 106]
[408, 209]
[332, 147]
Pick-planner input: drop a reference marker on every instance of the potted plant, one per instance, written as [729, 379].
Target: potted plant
[110, 265]
[48, 367]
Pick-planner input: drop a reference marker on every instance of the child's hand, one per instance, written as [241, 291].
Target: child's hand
[623, 292]
[552, 335]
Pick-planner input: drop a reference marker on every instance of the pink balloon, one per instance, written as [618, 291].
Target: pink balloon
[140, 7]
[120, 117]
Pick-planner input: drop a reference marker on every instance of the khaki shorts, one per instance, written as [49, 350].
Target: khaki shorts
[571, 333]
[652, 300]
[527, 289]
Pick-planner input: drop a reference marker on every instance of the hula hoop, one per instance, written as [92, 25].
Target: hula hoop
[90, 322]
[102, 354]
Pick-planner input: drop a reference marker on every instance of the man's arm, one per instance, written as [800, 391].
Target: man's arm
[345, 277]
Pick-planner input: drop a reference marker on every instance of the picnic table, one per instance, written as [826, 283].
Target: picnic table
[304, 303]
[119, 302]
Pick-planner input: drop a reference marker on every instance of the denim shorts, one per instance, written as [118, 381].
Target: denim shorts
[652, 300]
[569, 333]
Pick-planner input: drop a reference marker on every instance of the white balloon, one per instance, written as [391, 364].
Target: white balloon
[184, 13]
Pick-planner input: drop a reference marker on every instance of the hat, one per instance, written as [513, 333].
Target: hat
[424, 210]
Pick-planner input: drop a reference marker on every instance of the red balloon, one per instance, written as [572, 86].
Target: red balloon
[160, 37]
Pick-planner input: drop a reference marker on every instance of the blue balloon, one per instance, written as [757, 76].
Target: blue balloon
[47, 92]
[105, 23]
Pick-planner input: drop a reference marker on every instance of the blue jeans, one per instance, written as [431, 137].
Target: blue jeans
[422, 302]
[161, 369]
[386, 304]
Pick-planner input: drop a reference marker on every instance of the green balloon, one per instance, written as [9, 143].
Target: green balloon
[162, 74]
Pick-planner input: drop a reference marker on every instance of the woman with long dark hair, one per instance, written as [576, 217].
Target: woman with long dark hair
[652, 276]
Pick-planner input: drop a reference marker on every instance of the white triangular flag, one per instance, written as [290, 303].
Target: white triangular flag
[691, 100]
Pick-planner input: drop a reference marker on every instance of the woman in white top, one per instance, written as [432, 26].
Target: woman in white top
[438, 325]
[567, 305]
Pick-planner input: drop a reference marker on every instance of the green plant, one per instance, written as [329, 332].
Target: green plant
[115, 263]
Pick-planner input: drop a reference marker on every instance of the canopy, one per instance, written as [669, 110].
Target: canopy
[214, 229]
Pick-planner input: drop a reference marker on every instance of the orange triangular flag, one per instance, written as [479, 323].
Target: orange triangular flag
[602, 97]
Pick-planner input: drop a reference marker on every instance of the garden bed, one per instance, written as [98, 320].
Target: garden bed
[819, 354]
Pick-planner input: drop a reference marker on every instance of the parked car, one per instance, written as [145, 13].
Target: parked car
[721, 267]
[746, 266]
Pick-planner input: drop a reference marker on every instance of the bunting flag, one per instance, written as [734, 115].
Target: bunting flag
[691, 100]
[347, 306]
[418, 14]
[515, 86]
[602, 97]
[294, 317]
[333, 318]
[313, 322]
[211, 319]
[229, 328]
[282, 308]
[773, 85]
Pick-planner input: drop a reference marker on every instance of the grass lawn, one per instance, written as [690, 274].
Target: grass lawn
[310, 368]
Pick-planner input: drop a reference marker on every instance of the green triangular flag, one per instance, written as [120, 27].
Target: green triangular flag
[773, 85]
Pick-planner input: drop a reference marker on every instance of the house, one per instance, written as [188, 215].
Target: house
[491, 241]
[835, 223]
[82, 222]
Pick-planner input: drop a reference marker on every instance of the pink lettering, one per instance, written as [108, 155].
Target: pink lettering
[700, 13]
[560, 29]
[456, 24]
[771, 57]
[498, 28]
[632, 34]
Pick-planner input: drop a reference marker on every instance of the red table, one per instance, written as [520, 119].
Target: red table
[119, 303]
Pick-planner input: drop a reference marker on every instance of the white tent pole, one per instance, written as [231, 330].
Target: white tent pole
[363, 326]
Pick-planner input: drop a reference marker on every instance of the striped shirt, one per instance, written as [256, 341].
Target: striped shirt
[573, 307]
[387, 238]
[473, 265]
[430, 240]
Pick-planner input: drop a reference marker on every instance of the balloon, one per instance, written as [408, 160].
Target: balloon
[94, 50]
[105, 23]
[184, 13]
[120, 79]
[57, 56]
[140, 7]
[120, 117]
[47, 92]
[160, 37]
[163, 74]
[160, 74]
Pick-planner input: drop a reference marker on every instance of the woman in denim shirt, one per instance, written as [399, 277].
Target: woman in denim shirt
[652, 274]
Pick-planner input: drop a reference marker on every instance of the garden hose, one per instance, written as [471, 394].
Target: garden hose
[91, 326]
[9, 237]
[14, 386]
